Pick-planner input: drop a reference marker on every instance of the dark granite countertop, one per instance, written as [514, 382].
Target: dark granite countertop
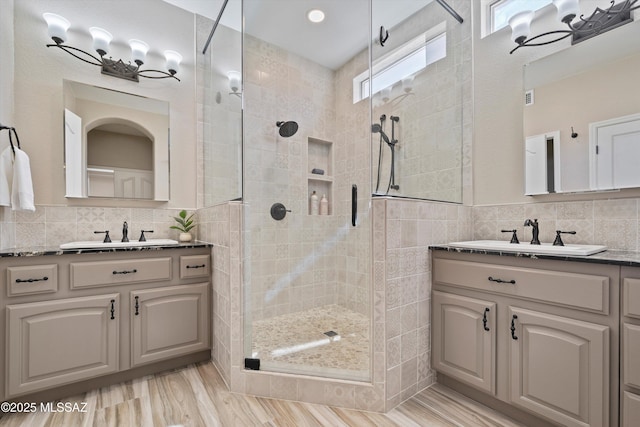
[612, 257]
[54, 250]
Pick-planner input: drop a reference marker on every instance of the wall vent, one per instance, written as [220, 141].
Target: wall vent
[528, 97]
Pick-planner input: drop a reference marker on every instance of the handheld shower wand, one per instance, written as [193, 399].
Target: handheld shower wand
[382, 119]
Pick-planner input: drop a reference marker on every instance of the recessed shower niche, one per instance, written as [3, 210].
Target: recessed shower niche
[320, 169]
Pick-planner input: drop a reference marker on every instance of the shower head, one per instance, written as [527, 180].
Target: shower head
[376, 128]
[287, 129]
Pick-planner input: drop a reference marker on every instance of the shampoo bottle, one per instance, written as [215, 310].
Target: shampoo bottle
[324, 205]
[314, 204]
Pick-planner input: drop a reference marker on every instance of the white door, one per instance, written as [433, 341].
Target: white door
[74, 155]
[615, 150]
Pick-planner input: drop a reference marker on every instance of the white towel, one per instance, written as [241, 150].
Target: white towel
[22, 187]
[6, 176]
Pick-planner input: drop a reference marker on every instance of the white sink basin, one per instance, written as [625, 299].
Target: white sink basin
[545, 248]
[131, 243]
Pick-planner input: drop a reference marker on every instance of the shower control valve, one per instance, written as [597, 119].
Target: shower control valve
[278, 211]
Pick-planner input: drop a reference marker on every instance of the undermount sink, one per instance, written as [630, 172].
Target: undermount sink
[544, 248]
[131, 243]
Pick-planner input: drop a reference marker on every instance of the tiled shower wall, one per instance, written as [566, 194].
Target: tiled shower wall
[435, 115]
[52, 225]
[302, 261]
[402, 233]
[220, 226]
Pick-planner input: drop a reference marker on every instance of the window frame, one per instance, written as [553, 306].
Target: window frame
[363, 83]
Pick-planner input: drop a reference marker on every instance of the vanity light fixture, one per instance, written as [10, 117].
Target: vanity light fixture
[234, 82]
[600, 21]
[58, 27]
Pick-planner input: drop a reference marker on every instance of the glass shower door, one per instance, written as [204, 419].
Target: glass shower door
[306, 189]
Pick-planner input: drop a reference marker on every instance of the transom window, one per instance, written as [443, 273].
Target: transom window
[402, 63]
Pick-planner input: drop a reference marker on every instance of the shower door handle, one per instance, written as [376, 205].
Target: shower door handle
[354, 204]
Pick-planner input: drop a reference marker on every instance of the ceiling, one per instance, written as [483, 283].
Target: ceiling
[342, 35]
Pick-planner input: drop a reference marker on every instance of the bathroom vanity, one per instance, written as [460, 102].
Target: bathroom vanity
[80, 319]
[549, 340]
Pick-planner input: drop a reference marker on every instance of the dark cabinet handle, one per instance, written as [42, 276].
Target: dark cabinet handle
[197, 266]
[137, 306]
[491, 279]
[354, 204]
[125, 271]
[113, 309]
[513, 327]
[45, 278]
[484, 319]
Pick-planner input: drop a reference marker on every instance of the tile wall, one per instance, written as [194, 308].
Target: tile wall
[435, 115]
[402, 233]
[220, 226]
[614, 223]
[52, 225]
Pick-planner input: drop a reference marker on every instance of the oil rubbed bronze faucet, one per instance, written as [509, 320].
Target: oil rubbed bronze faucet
[125, 232]
[535, 231]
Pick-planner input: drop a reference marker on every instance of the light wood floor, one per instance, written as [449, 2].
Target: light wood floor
[197, 396]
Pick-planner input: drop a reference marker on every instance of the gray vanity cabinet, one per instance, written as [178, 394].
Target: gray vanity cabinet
[630, 353]
[58, 342]
[559, 367]
[464, 339]
[80, 321]
[168, 322]
[535, 338]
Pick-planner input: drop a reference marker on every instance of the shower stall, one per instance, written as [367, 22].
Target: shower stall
[310, 300]
[306, 275]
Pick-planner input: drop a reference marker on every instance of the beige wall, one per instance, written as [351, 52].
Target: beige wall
[498, 159]
[39, 94]
[6, 67]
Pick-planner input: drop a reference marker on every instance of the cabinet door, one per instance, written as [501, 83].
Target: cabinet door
[58, 342]
[559, 367]
[168, 322]
[630, 409]
[464, 339]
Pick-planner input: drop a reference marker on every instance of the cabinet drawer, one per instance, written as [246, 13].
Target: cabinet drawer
[588, 292]
[194, 266]
[630, 410]
[631, 354]
[105, 273]
[631, 297]
[32, 279]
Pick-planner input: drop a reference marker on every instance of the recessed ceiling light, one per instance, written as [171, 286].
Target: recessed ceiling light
[315, 15]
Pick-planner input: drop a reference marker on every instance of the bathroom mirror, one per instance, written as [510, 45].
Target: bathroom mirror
[571, 91]
[116, 144]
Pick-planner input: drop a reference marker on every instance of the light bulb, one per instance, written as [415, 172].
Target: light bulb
[57, 26]
[173, 61]
[139, 51]
[101, 40]
[567, 10]
[520, 24]
[234, 80]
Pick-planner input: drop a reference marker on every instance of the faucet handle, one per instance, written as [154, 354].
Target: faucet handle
[558, 241]
[142, 238]
[107, 239]
[514, 236]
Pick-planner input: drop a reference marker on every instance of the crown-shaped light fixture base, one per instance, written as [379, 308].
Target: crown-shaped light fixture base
[120, 69]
